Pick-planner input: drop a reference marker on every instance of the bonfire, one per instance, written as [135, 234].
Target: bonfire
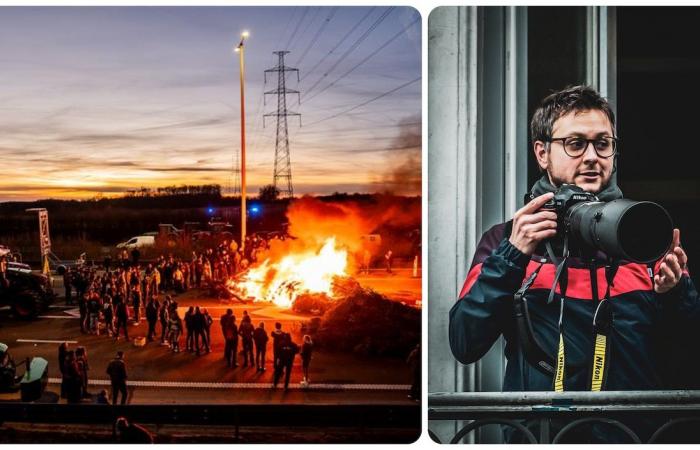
[281, 281]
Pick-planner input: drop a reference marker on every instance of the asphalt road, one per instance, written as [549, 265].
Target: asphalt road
[160, 376]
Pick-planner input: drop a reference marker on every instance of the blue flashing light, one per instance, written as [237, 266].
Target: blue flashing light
[210, 210]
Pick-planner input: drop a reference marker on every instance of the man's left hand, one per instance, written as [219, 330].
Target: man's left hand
[672, 266]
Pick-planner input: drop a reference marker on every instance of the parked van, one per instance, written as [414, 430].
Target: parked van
[138, 242]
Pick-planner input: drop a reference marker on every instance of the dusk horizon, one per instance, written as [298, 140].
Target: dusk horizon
[102, 100]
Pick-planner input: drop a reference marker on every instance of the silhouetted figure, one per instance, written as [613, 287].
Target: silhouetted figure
[131, 433]
[288, 349]
[307, 348]
[277, 335]
[152, 317]
[230, 332]
[117, 375]
[246, 332]
[260, 338]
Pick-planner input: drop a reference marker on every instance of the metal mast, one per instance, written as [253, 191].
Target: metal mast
[282, 178]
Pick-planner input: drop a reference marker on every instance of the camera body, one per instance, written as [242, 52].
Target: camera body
[567, 196]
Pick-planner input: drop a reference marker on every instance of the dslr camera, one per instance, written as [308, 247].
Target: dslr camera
[637, 231]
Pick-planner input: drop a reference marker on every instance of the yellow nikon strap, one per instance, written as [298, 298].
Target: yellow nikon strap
[602, 326]
[601, 341]
[559, 371]
[559, 374]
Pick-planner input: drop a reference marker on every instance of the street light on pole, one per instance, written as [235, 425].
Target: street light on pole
[240, 50]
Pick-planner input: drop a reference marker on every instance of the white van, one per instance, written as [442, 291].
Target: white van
[138, 242]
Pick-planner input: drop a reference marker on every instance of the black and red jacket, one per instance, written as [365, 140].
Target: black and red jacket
[645, 324]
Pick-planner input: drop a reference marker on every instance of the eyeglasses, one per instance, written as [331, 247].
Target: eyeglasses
[575, 146]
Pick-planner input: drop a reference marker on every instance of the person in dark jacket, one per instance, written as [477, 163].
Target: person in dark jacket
[81, 360]
[277, 335]
[189, 329]
[73, 379]
[260, 338]
[122, 315]
[574, 141]
[118, 376]
[288, 349]
[62, 352]
[207, 321]
[245, 330]
[230, 332]
[163, 316]
[198, 323]
[152, 309]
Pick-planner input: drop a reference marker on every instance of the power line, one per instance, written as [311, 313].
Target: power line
[317, 35]
[352, 30]
[367, 58]
[352, 48]
[311, 21]
[306, 11]
[365, 102]
[286, 27]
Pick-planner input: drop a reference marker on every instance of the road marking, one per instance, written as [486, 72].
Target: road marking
[75, 312]
[205, 385]
[45, 341]
[58, 317]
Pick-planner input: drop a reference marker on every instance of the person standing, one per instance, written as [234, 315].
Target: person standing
[198, 330]
[189, 325]
[118, 376]
[74, 383]
[260, 338]
[388, 259]
[83, 367]
[288, 349]
[122, 314]
[307, 348]
[108, 314]
[277, 335]
[230, 332]
[207, 328]
[175, 327]
[136, 301]
[164, 316]
[152, 317]
[62, 352]
[246, 331]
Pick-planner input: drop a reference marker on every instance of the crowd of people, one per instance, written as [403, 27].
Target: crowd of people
[120, 295]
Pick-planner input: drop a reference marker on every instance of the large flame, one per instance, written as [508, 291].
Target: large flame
[281, 282]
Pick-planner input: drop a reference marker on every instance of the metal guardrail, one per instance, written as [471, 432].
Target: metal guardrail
[574, 409]
[361, 416]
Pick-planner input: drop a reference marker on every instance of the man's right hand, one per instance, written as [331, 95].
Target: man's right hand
[530, 226]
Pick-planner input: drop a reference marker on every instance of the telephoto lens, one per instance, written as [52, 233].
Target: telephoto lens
[641, 232]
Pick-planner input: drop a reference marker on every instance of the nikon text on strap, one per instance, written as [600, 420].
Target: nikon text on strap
[602, 327]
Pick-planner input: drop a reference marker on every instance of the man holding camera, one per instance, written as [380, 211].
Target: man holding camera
[582, 322]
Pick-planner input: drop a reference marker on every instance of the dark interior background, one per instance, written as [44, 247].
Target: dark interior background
[659, 125]
[658, 97]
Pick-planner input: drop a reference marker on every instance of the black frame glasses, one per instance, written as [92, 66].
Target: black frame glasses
[601, 145]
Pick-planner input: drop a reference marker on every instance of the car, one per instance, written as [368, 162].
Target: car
[138, 242]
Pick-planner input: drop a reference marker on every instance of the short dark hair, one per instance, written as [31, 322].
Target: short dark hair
[560, 103]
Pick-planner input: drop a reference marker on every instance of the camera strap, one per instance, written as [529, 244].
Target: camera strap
[559, 371]
[602, 327]
[532, 349]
